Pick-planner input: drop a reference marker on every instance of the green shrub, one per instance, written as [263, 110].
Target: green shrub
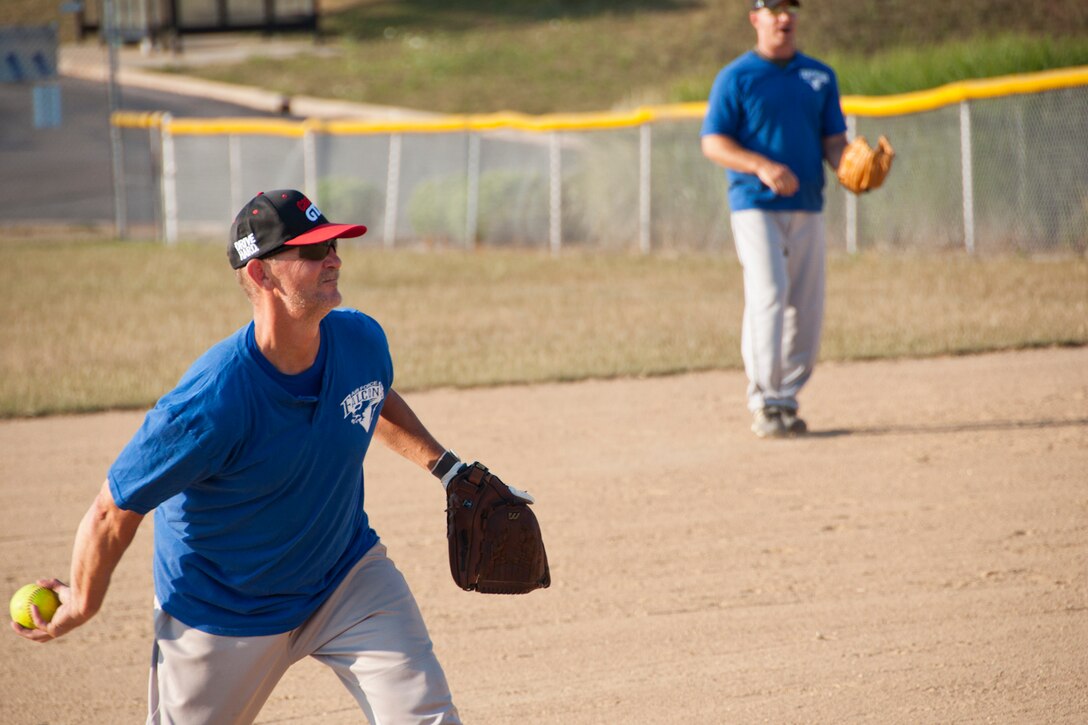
[688, 208]
[436, 209]
[512, 209]
[345, 197]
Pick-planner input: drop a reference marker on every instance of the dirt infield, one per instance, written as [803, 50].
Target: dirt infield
[921, 557]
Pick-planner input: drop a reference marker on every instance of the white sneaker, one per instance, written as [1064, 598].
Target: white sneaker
[767, 423]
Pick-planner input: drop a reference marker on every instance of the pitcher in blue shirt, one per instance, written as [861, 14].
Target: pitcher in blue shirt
[253, 465]
[773, 119]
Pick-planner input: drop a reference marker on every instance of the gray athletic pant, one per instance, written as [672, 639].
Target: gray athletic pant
[370, 632]
[782, 254]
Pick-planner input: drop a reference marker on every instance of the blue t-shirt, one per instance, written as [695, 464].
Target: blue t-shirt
[258, 493]
[783, 114]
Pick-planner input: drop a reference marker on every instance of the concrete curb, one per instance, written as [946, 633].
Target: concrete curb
[255, 98]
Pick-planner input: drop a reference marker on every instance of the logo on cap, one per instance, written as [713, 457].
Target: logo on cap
[309, 209]
[246, 246]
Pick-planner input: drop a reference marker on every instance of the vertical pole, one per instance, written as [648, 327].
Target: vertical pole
[392, 188]
[142, 22]
[555, 206]
[309, 165]
[234, 154]
[644, 189]
[968, 178]
[1022, 177]
[472, 201]
[173, 24]
[154, 140]
[113, 94]
[851, 199]
[169, 184]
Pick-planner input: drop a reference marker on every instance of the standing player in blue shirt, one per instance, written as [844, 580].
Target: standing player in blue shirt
[253, 465]
[773, 119]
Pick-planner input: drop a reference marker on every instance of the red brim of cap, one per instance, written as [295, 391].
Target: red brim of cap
[325, 232]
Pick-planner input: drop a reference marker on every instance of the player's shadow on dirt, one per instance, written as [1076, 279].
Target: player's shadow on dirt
[967, 427]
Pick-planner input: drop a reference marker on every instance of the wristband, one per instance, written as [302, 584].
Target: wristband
[446, 467]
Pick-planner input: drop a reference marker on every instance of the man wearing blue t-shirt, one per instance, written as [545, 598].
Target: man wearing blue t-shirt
[253, 465]
[773, 118]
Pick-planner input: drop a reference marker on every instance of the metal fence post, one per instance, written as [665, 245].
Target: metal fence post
[555, 206]
[472, 191]
[645, 160]
[169, 184]
[968, 178]
[234, 155]
[309, 165]
[392, 188]
[851, 199]
[154, 142]
[117, 149]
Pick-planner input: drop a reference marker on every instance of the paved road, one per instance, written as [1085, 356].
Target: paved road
[64, 174]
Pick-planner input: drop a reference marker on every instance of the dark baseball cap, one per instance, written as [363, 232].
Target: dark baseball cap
[772, 4]
[281, 218]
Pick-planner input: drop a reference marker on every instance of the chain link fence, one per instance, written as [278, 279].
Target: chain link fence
[1001, 174]
[61, 178]
[998, 170]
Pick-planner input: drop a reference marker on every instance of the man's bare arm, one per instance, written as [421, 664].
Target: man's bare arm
[833, 148]
[101, 539]
[726, 152]
[401, 430]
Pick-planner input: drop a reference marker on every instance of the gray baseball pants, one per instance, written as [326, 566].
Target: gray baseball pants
[782, 254]
[370, 632]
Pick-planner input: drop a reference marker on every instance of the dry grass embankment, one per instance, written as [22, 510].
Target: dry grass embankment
[108, 325]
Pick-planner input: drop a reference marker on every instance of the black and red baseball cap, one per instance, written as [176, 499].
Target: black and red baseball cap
[281, 218]
[772, 4]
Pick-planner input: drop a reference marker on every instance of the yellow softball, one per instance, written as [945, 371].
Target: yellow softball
[45, 599]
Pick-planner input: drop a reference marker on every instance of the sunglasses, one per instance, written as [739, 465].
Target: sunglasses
[782, 9]
[309, 252]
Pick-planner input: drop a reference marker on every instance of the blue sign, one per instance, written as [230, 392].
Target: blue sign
[47, 112]
[28, 53]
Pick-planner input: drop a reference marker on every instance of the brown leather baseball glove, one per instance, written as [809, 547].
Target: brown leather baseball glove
[863, 168]
[494, 537]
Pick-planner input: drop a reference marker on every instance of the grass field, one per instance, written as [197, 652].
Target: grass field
[655, 56]
[587, 55]
[114, 325]
[102, 325]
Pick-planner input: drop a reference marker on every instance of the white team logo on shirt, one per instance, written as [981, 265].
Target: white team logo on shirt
[361, 403]
[815, 78]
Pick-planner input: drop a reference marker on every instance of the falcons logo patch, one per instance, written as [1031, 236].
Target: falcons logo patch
[815, 78]
[360, 404]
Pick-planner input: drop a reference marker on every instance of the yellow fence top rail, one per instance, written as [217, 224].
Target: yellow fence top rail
[894, 105]
[953, 93]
